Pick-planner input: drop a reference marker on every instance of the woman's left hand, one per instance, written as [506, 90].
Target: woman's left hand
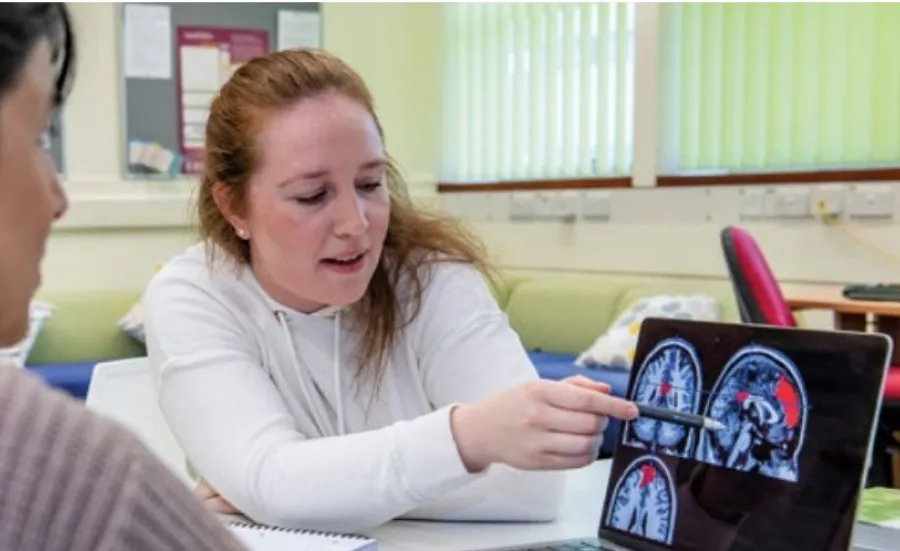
[213, 501]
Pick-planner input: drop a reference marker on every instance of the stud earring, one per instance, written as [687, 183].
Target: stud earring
[242, 234]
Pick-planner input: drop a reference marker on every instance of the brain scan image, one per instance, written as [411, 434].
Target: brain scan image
[670, 378]
[762, 401]
[643, 501]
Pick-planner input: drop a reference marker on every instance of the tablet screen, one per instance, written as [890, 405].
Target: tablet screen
[794, 412]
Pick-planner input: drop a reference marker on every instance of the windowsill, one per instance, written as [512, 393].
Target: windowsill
[779, 178]
[685, 180]
[537, 185]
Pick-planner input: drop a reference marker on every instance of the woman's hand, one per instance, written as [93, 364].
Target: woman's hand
[538, 425]
[588, 383]
[213, 500]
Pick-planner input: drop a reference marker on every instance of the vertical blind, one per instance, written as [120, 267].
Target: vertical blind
[537, 91]
[760, 87]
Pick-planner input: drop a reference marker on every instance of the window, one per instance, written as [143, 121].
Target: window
[778, 87]
[537, 91]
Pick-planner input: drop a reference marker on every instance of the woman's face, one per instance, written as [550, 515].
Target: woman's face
[318, 205]
[30, 194]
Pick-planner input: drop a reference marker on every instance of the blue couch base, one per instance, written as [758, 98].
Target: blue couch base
[71, 378]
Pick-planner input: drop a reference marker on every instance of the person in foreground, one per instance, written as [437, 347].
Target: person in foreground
[69, 479]
[331, 357]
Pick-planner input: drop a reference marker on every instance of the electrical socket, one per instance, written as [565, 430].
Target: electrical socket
[827, 200]
[871, 201]
[595, 205]
[791, 203]
[753, 203]
[544, 206]
[567, 203]
[522, 206]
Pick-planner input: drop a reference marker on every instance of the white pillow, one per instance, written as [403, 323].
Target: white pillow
[615, 348]
[132, 323]
[17, 354]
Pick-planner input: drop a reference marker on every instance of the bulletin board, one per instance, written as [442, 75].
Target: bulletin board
[172, 54]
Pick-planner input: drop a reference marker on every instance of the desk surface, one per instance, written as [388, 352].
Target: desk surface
[831, 298]
[579, 518]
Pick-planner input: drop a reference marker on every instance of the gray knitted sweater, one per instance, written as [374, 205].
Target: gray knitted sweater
[71, 480]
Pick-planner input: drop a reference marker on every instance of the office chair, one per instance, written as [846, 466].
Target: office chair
[760, 300]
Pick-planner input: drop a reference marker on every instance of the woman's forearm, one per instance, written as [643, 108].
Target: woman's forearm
[503, 494]
[344, 483]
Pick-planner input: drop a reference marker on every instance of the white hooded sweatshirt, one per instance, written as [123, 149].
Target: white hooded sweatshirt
[266, 404]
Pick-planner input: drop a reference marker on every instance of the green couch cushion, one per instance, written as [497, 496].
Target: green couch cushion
[566, 314]
[562, 314]
[503, 284]
[84, 327]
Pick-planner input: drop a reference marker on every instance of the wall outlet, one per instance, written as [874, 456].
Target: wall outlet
[791, 202]
[567, 205]
[871, 201]
[595, 205]
[555, 206]
[753, 204]
[522, 206]
[544, 206]
[827, 200]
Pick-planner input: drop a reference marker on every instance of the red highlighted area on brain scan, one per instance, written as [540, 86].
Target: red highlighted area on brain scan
[761, 399]
[643, 502]
[670, 378]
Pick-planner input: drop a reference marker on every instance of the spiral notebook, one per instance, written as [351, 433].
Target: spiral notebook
[257, 537]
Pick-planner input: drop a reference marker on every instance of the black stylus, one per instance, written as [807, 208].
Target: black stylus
[673, 416]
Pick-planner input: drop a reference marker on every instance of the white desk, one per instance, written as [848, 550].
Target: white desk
[579, 518]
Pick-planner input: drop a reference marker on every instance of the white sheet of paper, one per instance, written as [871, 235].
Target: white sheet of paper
[148, 41]
[161, 159]
[197, 99]
[200, 69]
[194, 115]
[298, 29]
[135, 150]
[193, 135]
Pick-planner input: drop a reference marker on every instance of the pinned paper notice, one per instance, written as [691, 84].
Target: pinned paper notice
[148, 41]
[154, 156]
[298, 29]
[201, 68]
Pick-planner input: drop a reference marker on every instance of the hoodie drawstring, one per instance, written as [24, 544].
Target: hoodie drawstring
[338, 387]
[320, 418]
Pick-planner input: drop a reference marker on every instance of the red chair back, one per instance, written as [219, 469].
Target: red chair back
[758, 295]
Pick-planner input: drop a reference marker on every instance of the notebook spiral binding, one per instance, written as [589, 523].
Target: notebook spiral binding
[306, 531]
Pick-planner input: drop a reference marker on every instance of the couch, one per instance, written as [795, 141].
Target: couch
[82, 331]
[557, 316]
